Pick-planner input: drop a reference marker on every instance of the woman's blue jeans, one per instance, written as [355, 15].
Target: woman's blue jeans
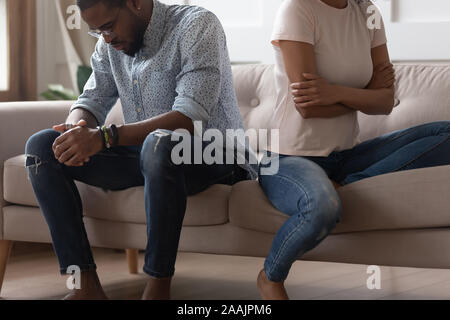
[166, 188]
[302, 188]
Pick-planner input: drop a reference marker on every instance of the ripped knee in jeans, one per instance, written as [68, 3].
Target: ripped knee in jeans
[159, 134]
[33, 161]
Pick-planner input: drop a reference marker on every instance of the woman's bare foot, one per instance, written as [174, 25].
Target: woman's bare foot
[270, 290]
[91, 289]
[157, 289]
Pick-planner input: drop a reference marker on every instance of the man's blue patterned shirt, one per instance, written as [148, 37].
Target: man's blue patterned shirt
[183, 65]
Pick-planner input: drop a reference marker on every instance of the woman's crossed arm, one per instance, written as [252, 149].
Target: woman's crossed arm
[314, 97]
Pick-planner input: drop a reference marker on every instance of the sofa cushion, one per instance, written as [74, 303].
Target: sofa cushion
[423, 94]
[421, 89]
[115, 116]
[409, 199]
[255, 91]
[209, 207]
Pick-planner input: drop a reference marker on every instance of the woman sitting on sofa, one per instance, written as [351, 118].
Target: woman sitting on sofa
[331, 62]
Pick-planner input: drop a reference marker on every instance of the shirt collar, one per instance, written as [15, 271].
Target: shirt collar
[155, 30]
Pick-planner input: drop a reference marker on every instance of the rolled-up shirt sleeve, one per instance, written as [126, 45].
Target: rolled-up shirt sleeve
[100, 92]
[202, 46]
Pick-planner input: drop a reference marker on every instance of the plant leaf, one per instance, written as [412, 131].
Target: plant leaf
[83, 74]
[62, 93]
[48, 95]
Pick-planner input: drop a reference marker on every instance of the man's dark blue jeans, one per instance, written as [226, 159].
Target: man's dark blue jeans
[166, 186]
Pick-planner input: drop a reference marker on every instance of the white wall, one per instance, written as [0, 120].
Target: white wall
[248, 32]
[247, 24]
[3, 48]
[421, 11]
[417, 30]
[51, 59]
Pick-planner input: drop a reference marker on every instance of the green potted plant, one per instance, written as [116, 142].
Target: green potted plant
[58, 92]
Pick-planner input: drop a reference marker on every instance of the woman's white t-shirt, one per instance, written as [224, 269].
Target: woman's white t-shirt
[342, 41]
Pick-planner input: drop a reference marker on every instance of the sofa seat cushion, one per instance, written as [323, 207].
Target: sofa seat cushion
[410, 199]
[209, 207]
[423, 94]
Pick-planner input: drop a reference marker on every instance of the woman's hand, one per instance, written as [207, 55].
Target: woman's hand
[315, 91]
[383, 76]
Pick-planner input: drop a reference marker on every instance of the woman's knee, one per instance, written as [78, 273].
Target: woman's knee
[320, 204]
[324, 209]
[327, 210]
[325, 213]
[299, 187]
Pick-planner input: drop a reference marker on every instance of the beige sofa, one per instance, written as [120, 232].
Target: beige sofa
[398, 219]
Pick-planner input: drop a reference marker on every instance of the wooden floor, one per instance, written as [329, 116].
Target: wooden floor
[209, 277]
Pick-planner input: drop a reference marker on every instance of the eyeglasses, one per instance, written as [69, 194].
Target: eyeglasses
[97, 33]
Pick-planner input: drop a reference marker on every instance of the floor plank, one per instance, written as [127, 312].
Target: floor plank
[35, 275]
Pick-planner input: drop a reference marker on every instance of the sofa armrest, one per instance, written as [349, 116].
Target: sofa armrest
[18, 122]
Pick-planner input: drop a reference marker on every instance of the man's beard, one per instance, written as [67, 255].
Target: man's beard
[139, 30]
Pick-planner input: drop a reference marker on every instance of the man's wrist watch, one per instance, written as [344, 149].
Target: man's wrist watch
[114, 135]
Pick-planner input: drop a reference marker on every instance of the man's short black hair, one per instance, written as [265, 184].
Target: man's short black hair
[86, 4]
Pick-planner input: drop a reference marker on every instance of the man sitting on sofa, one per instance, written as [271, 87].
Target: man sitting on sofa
[169, 66]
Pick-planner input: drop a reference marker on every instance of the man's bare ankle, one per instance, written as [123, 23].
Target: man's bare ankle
[157, 289]
[89, 278]
[90, 287]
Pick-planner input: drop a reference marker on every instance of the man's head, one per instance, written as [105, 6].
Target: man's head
[123, 21]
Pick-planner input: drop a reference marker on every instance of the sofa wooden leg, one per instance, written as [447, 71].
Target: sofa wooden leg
[5, 251]
[132, 257]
